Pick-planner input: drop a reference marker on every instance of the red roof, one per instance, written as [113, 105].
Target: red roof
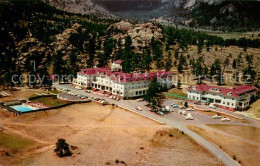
[118, 61]
[235, 92]
[124, 77]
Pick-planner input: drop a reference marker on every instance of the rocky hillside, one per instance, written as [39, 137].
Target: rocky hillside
[31, 49]
[141, 34]
[214, 14]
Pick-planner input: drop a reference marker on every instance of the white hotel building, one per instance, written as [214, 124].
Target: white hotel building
[120, 84]
[234, 99]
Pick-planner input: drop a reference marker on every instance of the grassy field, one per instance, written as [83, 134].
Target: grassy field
[15, 142]
[49, 101]
[254, 111]
[242, 152]
[177, 92]
[247, 132]
[54, 91]
[232, 35]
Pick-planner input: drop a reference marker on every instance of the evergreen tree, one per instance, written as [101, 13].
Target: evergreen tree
[179, 84]
[62, 148]
[168, 63]
[152, 90]
[147, 59]
[234, 65]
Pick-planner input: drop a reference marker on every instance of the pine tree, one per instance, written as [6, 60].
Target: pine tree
[234, 65]
[168, 63]
[179, 84]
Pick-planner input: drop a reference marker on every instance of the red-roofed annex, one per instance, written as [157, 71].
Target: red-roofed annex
[237, 98]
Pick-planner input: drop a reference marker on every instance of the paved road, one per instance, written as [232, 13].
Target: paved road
[129, 104]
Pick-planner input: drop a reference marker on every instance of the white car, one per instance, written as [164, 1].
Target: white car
[139, 100]
[139, 108]
[180, 112]
[77, 87]
[190, 109]
[211, 105]
[189, 118]
[184, 113]
[175, 105]
[216, 117]
[225, 119]
[160, 113]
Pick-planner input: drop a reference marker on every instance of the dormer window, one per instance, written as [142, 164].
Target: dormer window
[215, 89]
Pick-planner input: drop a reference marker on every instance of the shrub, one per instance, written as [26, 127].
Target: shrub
[62, 148]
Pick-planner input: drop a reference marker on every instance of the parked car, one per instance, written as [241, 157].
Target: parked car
[190, 109]
[77, 87]
[183, 112]
[225, 119]
[180, 112]
[212, 106]
[216, 117]
[88, 91]
[189, 118]
[182, 107]
[139, 108]
[160, 113]
[175, 105]
[139, 100]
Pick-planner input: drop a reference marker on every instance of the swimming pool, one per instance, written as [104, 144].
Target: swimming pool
[22, 108]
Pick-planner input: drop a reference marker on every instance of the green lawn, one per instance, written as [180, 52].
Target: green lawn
[15, 142]
[176, 92]
[54, 91]
[48, 101]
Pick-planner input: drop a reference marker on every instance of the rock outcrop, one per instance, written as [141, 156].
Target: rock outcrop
[31, 48]
[141, 34]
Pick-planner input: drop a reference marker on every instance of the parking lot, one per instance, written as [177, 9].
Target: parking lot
[198, 117]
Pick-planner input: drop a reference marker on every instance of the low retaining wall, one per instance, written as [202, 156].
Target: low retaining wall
[46, 109]
[141, 115]
[37, 97]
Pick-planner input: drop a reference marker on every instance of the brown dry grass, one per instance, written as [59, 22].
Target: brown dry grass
[247, 132]
[246, 154]
[254, 111]
[102, 135]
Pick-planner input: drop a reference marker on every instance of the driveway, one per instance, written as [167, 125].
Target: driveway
[132, 104]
